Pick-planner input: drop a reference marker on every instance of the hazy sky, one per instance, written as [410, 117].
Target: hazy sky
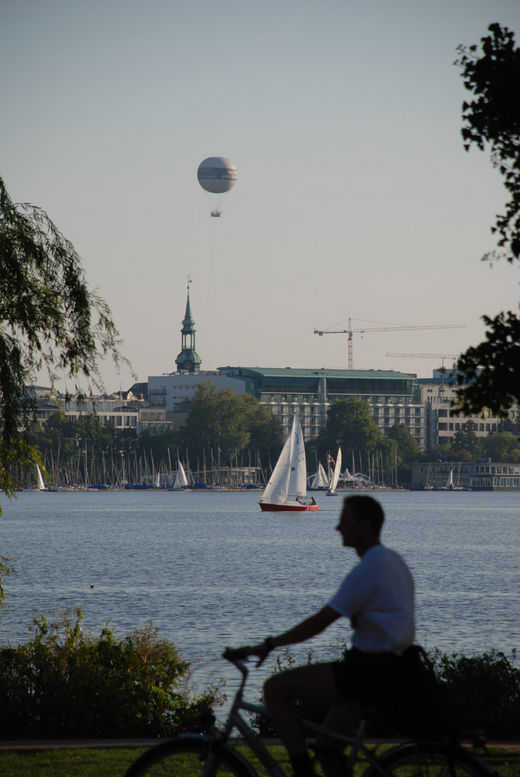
[354, 198]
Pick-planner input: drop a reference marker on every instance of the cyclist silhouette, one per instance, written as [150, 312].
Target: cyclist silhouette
[378, 598]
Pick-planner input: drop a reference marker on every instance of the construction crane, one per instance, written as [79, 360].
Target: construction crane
[350, 332]
[440, 356]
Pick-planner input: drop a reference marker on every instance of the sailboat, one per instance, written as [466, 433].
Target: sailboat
[287, 486]
[319, 481]
[450, 484]
[181, 481]
[40, 484]
[335, 476]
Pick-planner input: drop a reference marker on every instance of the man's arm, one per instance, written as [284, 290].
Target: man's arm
[307, 628]
[304, 630]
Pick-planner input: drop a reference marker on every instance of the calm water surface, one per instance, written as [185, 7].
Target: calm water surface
[210, 570]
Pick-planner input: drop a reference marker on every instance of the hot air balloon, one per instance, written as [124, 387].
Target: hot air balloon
[217, 175]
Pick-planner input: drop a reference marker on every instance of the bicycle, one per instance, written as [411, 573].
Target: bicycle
[214, 755]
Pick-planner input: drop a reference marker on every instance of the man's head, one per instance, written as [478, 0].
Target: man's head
[360, 522]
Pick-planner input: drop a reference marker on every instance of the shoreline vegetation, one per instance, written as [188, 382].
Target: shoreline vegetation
[69, 684]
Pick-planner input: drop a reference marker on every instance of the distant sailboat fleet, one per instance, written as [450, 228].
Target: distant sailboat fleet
[286, 489]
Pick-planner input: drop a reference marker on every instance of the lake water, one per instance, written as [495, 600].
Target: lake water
[210, 570]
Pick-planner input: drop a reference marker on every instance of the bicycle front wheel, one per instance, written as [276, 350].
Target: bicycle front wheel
[431, 760]
[188, 756]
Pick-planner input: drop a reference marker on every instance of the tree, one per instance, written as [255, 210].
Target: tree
[351, 427]
[465, 445]
[49, 318]
[504, 446]
[489, 373]
[227, 422]
[408, 447]
[265, 429]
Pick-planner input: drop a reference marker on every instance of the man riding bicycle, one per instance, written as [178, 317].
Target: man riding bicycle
[378, 598]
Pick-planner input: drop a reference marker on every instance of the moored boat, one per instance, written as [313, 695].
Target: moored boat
[181, 481]
[319, 481]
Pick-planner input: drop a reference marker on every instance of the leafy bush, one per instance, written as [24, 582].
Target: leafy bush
[68, 683]
[477, 693]
[483, 691]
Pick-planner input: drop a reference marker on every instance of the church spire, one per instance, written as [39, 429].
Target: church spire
[188, 360]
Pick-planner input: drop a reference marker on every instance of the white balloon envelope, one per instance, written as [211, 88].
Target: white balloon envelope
[217, 174]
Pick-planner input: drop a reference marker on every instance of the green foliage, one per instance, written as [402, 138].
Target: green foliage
[227, 422]
[503, 446]
[408, 447]
[475, 694]
[65, 683]
[67, 761]
[114, 761]
[482, 692]
[5, 571]
[492, 118]
[466, 446]
[408, 451]
[351, 426]
[49, 318]
[490, 372]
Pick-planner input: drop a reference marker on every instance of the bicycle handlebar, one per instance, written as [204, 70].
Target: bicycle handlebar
[234, 658]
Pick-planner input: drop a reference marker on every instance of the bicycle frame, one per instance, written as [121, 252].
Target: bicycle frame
[236, 721]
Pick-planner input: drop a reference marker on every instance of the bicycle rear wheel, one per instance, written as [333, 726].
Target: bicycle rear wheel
[431, 761]
[190, 757]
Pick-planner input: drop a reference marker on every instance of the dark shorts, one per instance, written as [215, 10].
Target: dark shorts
[371, 678]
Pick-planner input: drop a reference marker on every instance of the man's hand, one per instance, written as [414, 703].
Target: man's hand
[262, 651]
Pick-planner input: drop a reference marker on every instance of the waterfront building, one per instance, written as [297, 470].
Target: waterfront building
[391, 396]
[119, 410]
[474, 476]
[437, 395]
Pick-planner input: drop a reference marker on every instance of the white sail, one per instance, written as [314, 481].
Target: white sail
[181, 481]
[335, 475]
[289, 477]
[320, 478]
[298, 471]
[277, 489]
[40, 484]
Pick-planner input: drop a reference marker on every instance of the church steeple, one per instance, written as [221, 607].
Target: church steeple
[188, 360]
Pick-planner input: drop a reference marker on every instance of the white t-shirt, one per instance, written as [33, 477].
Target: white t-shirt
[378, 594]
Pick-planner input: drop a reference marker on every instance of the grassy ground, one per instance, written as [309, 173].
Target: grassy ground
[113, 762]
